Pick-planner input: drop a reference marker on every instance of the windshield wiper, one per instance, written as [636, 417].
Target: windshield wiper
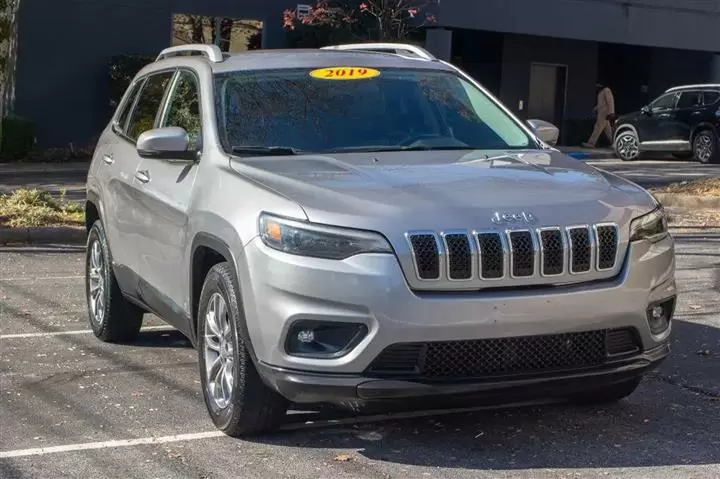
[266, 150]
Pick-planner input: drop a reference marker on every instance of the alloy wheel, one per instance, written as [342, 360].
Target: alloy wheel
[627, 146]
[219, 351]
[703, 147]
[96, 291]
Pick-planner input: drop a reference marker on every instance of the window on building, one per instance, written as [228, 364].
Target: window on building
[151, 96]
[665, 102]
[710, 97]
[184, 107]
[689, 99]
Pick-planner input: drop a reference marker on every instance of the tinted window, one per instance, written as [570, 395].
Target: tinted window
[711, 97]
[395, 109]
[665, 102]
[143, 117]
[184, 107]
[127, 106]
[690, 99]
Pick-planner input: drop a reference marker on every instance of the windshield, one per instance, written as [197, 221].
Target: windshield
[387, 110]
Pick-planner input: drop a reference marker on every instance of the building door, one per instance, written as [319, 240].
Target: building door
[547, 93]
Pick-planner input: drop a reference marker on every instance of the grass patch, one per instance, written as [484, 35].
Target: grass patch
[701, 187]
[27, 208]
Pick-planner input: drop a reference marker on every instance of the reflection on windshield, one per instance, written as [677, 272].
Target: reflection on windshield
[399, 109]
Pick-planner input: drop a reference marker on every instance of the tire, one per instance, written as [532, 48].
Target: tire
[246, 406]
[705, 147]
[610, 394]
[627, 146]
[112, 318]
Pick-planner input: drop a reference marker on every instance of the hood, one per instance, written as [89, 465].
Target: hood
[446, 189]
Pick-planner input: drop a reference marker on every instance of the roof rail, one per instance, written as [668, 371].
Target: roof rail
[211, 52]
[396, 48]
[685, 87]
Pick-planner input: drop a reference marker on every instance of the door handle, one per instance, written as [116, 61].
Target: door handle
[108, 159]
[143, 176]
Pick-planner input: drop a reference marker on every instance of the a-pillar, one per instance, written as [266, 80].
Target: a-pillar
[438, 41]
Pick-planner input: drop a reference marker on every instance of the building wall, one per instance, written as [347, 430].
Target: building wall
[520, 51]
[686, 24]
[65, 47]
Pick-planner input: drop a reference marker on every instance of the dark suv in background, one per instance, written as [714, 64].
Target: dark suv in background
[683, 121]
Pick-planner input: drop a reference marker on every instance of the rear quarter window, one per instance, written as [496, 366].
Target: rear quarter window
[711, 97]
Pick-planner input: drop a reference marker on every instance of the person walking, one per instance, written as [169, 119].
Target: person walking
[605, 114]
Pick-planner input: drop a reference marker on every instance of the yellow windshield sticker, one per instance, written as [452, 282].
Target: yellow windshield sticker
[344, 73]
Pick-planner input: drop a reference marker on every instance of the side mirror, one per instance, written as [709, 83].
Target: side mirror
[546, 131]
[646, 110]
[170, 143]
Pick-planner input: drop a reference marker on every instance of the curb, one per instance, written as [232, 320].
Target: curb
[43, 235]
[687, 201]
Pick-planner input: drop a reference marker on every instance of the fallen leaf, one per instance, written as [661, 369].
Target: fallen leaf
[344, 458]
[695, 306]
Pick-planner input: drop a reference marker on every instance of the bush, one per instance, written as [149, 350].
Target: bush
[18, 137]
[123, 69]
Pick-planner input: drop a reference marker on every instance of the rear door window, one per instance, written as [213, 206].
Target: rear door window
[126, 108]
[689, 100]
[146, 109]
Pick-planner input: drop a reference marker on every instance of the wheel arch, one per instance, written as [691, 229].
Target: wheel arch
[702, 127]
[93, 209]
[208, 250]
[623, 128]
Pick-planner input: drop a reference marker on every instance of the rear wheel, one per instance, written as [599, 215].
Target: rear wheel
[237, 399]
[112, 317]
[705, 147]
[610, 394]
[627, 146]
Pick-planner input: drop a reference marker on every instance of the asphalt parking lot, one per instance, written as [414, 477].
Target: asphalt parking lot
[75, 407]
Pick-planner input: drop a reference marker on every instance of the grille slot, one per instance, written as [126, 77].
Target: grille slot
[581, 250]
[607, 246]
[553, 252]
[492, 256]
[426, 254]
[454, 360]
[522, 251]
[460, 258]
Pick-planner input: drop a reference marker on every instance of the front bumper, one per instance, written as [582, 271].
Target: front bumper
[279, 289]
[304, 387]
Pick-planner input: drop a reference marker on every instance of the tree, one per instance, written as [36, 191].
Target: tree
[374, 20]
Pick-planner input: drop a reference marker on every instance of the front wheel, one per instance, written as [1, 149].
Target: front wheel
[237, 399]
[627, 146]
[705, 147]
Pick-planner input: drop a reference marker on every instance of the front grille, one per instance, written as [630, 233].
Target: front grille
[519, 254]
[495, 357]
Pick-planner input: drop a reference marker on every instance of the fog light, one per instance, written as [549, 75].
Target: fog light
[323, 339]
[306, 336]
[659, 315]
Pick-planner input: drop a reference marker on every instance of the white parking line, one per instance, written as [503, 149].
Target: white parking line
[81, 331]
[41, 451]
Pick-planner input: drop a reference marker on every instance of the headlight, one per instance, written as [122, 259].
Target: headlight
[306, 239]
[652, 226]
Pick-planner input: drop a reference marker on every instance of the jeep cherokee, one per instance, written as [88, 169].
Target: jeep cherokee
[343, 225]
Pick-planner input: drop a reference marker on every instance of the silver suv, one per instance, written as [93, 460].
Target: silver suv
[365, 223]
